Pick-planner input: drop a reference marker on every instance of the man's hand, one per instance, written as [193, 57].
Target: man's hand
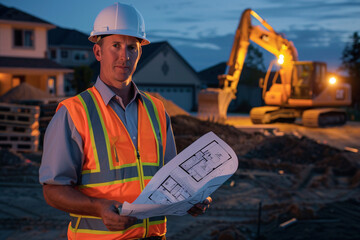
[111, 218]
[200, 208]
[69, 199]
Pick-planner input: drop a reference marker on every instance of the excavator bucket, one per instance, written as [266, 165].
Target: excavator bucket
[213, 104]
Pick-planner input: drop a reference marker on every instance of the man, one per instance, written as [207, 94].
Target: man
[103, 146]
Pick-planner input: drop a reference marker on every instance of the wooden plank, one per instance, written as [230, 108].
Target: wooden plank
[15, 128]
[22, 142]
[17, 108]
[18, 114]
[18, 118]
[22, 137]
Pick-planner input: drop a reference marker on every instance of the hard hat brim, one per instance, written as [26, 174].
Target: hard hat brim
[94, 36]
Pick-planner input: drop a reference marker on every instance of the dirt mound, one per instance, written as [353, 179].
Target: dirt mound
[270, 153]
[171, 108]
[291, 149]
[187, 129]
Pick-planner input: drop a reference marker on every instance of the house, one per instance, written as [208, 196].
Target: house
[69, 48]
[163, 70]
[23, 53]
[248, 94]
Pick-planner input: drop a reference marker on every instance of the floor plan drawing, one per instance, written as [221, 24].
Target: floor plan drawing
[169, 191]
[206, 160]
[189, 178]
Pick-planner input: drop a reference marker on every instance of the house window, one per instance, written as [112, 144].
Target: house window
[64, 54]
[16, 80]
[23, 38]
[53, 54]
[81, 56]
[51, 85]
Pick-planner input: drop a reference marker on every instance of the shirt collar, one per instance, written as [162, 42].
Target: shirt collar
[107, 94]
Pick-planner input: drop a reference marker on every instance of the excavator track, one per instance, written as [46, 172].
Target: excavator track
[324, 117]
[271, 114]
[260, 115]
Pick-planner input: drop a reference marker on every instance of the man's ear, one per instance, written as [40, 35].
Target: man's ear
[97, 52]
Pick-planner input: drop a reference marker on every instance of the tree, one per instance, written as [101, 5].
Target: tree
[351, 63]
[254, 67]
[254, 59]
[82, 78]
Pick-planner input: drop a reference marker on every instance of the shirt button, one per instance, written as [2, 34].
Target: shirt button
[134, 137]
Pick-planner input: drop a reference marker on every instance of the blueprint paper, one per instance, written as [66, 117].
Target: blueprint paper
[187, 179]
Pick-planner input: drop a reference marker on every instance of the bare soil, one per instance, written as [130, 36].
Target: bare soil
[305, 190]
[286, 177]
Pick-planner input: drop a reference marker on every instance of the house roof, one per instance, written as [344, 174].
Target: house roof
[209, 76]
[148, 52]
[151, 50]
[32, 63]
[24, 91]
[13, 14]
[68, 37]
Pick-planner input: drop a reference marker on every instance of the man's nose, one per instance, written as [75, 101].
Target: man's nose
[124, 54]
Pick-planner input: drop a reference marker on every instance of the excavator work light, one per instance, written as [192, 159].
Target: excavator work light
[332, 80]
[281, 59]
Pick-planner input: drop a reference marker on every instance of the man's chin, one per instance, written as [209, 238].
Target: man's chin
[123, 78]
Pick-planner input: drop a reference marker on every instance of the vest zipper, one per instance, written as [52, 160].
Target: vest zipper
[142, 186]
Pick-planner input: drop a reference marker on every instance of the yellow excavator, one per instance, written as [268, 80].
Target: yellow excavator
[296, 89]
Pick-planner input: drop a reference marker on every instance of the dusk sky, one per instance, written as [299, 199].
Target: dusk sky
[202, 31]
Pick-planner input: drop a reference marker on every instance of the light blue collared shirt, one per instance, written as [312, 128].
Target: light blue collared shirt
[63, 156]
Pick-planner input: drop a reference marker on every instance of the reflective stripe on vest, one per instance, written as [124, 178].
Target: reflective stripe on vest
[100, 139]
[94, 225]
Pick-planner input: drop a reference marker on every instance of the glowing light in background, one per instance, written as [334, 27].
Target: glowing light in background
[332, 80]
[281, 59]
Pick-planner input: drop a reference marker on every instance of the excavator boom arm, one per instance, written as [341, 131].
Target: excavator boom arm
[267, 38]
[214, 102]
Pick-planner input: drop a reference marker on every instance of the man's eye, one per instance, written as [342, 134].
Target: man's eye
[116, 45]
[132, 48]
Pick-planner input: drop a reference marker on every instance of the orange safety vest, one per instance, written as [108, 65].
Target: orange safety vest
[113, 169]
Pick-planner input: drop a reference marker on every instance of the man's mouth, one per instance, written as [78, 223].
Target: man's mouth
[123, 67]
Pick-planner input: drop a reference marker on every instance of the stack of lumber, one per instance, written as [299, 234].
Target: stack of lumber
[19, 127]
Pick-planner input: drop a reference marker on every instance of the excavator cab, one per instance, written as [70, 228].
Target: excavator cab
[312, 86]
[308, 80]
[301, 81]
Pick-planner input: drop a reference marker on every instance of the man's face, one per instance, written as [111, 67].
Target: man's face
[118, 56]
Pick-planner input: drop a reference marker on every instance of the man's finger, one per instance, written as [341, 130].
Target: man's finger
[208, 200]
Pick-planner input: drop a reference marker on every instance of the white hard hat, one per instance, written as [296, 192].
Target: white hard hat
[120, 19]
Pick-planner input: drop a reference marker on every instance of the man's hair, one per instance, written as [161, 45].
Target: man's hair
[100, 39]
